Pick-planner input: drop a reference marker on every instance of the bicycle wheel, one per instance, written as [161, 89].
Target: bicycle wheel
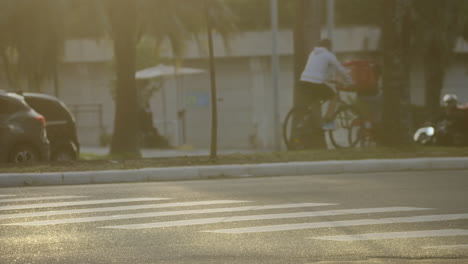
[297, 128]
[348, 123]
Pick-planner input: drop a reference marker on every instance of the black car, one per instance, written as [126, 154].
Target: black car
[23, 136]
[61, 125]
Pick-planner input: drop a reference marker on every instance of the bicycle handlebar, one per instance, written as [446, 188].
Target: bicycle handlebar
[340, 85]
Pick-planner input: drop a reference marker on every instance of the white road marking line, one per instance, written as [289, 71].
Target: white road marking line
[204, 221]
[6, 195]
[447, 247]
[346, 223]
[39, 198]
[61, 204]
[394, 235]
[165, 213]
[117, 208]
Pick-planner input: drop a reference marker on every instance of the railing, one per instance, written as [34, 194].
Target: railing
[169, 129]
[89, 117]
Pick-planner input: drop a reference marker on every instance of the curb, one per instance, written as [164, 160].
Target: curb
[231, 171]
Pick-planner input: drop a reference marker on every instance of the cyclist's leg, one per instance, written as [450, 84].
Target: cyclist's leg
[307, 112]
[325, 93]
[320, 92]
[331, 107]
[308, 93]
[310, 101]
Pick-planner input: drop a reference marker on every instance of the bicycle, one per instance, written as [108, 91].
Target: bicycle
[350, 125]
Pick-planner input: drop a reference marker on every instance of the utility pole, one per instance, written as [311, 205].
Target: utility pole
[275, 72]
[330, 19]
[214, 106]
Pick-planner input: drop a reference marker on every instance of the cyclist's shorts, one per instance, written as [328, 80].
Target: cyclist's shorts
[316, 91]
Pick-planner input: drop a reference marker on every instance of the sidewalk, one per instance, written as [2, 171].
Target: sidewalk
[232, 171]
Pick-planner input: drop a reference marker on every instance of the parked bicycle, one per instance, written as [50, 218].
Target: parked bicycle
[351, 127]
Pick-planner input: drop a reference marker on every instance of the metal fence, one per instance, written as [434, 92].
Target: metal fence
[89, 122]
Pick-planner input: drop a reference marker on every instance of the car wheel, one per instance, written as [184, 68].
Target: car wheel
[64, 155]
[24, 153]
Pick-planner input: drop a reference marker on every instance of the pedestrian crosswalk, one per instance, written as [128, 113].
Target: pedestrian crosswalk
[448, 247]
[115, 208]
[86, 202]
[393, 235]
[345, 223]
[164, 213]
[232, 217]
[35, 198]
[205, 221]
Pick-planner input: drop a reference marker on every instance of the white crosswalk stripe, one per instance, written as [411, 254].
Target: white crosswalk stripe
[345, 223]
[166, 213]
[117, 208]
[264, 217]
[447, 247]
[40, 198]
[62, 204]
[395, 235]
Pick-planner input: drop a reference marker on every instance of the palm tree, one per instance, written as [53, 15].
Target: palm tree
[32, 40]
[33, 33]
[5, 40]
[428, 29]
[437, 26]
[129, 20]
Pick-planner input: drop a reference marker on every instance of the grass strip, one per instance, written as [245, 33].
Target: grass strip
[90, 162]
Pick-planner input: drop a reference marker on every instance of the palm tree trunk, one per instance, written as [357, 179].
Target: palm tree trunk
[434, 71]
[126, 123]
[396, 112]
[307, 31]
[34, 82]
[56, 79]
[8, 73]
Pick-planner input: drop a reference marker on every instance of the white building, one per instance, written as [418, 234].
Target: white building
[245, 96]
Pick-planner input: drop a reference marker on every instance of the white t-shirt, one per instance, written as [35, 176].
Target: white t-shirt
[317, 68]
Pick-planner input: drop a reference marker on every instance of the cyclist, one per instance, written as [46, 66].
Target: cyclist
[455, 132]
[456, 113]
[312, 82]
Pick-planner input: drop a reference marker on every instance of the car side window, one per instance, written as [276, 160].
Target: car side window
[52, 110]
[3, 106]
[9, 107]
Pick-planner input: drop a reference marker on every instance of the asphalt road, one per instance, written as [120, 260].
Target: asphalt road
[413, 217]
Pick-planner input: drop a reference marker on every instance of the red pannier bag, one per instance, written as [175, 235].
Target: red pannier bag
[365, 75]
